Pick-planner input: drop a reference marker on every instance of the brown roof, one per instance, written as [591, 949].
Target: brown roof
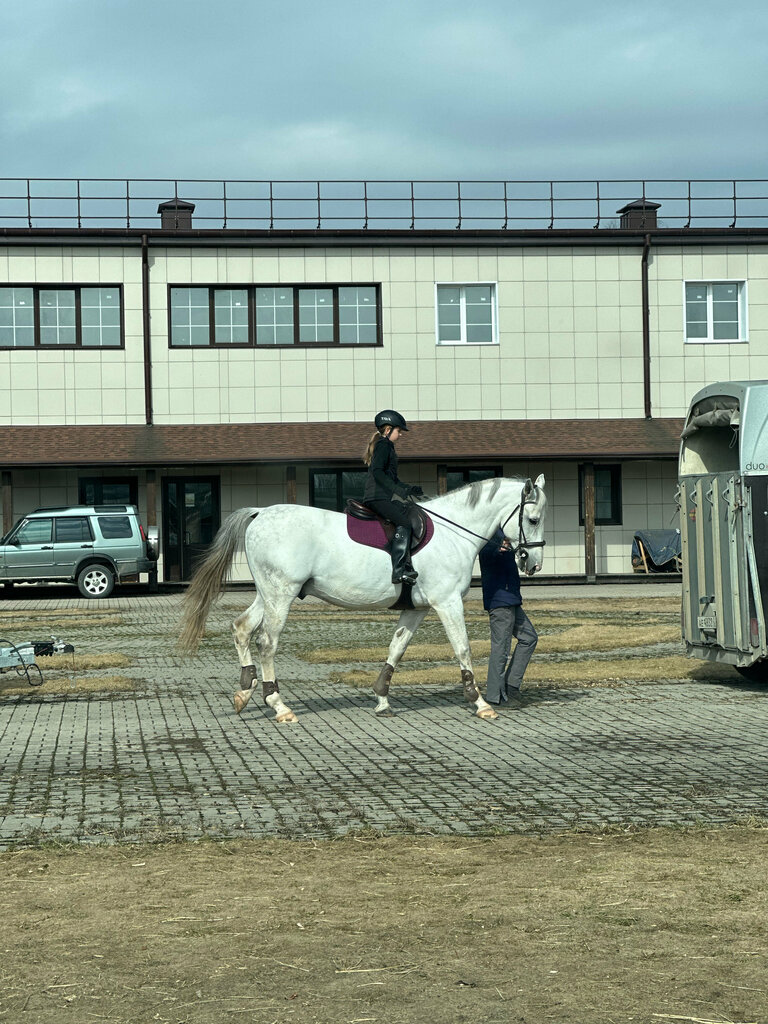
[433, 440]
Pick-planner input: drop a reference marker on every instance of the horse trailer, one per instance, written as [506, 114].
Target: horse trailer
[723, 501]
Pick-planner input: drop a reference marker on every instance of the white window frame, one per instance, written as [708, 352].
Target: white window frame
[743, 337]
[493, 285]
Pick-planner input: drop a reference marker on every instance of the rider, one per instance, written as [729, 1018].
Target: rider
[382, 488]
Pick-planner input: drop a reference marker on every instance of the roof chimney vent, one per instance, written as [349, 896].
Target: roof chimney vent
[640, 214]
[176, 215]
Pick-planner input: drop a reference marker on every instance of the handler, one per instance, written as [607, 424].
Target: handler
[504, 604]
[383, 488]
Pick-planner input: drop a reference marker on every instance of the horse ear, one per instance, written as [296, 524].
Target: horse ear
[540, 480]
[528, 488]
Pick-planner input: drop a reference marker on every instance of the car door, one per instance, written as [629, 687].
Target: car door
[29, 555]
[72, 538]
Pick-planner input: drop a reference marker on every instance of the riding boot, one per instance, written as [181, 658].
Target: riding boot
[402, 571]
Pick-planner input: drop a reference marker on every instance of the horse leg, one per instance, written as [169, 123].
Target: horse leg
[452, 618]
[275, 614]
[407, 625]
[243, 628]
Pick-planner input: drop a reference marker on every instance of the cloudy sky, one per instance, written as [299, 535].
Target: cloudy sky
[384, 89]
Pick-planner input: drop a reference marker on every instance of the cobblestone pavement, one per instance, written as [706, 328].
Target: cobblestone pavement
[172, 759]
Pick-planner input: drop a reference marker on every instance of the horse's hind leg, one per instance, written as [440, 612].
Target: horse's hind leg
[452, 618]
[268, 619]
[407, 625]
[243, 628]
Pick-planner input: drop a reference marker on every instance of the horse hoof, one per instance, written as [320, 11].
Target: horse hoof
[487, 713]
[241, 699]
[384, 713]
[287, 716]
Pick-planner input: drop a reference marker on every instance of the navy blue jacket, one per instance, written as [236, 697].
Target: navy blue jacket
[498, 570]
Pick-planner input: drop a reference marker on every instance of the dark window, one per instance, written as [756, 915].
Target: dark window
[274, 315]
[35, 531]
[115, 527]
[607, 496]
[73, 529]
[330, 488]
[53, 316]
[457, 477]
[123, 490]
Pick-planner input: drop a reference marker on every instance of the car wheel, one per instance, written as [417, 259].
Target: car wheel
[96, 581]
[757, 672]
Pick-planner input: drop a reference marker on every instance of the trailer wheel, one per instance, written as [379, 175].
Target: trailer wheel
[755, 673]
[96, 581]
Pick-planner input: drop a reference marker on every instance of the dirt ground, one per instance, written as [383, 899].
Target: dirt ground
[651, 926]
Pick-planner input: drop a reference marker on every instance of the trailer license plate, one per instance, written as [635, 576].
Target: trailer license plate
[708, 621]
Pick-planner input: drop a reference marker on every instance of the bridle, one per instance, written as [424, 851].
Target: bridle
[522, 546]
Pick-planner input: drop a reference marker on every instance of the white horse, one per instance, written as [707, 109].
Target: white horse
[295, 551]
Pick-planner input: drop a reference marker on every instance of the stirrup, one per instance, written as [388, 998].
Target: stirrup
[406, 576]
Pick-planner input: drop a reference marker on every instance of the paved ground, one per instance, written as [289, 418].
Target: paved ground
[173, 759]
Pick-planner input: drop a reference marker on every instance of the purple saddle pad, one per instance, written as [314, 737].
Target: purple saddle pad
[371, 533]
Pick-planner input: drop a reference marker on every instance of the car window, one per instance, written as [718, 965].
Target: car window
[35, 531]
[73, 529]
[115, 527]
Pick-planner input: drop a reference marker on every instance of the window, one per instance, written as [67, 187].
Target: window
[35, 531]
[51, 317]
[458, 477]
[123, 490]
[115, 527]
[466, 314]
[607, 496]
[73, 529]
[275, 315]
[715, 311]
[330, 488]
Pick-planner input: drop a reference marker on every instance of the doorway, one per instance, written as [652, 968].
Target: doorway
[191, 517]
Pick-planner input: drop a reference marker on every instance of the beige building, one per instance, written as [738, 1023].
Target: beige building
[196, 369]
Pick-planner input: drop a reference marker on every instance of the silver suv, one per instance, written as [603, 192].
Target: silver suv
[91, 545]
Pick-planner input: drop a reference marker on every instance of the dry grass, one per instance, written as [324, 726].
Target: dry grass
[58, 619]
[577, 929]
[588, 637]
[84, 662]
[579, 673]
[66, 686]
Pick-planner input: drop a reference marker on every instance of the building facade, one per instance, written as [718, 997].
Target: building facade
[194, 370]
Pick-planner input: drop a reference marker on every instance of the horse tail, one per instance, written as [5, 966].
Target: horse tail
[210, 574]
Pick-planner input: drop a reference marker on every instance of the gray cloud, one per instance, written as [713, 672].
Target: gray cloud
[347, 90]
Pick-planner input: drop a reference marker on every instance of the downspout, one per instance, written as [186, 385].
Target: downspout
[147, 334]
[646, 329]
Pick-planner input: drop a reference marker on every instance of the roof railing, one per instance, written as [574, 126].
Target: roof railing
[415, 205]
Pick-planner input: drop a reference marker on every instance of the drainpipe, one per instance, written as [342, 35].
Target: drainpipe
[646, 329]
[147, 333]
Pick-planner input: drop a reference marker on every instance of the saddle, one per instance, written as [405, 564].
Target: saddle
[366, 527]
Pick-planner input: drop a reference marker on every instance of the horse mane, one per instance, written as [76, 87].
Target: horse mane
[478, 489]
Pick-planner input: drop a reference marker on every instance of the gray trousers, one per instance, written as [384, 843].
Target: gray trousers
[505, 674]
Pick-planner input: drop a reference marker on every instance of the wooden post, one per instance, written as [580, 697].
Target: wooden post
[290, 485]
[442, 479]
[7, 485]
[151, 497]
[588, 477]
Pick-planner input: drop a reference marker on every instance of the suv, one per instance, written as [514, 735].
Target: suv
[91, 545]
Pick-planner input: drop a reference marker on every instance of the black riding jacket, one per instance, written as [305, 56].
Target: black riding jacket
[382, 480]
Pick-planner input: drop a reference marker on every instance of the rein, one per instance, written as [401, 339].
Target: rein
[522, 545]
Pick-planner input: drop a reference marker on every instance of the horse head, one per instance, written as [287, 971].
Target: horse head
[525, 527]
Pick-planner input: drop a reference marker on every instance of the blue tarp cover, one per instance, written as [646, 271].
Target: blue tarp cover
[661, 546]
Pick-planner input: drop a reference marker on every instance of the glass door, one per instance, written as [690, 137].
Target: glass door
[191, 518]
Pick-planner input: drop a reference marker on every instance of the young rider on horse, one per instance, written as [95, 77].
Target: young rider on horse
[382, 486]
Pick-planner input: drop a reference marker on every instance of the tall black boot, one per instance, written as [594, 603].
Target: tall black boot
[402, 572]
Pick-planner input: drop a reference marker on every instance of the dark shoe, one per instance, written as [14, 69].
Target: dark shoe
[515, 700]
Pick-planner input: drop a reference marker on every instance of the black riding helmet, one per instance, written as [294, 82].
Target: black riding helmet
[388, 417]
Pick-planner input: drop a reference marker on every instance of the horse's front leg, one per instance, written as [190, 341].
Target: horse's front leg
[407, 625]
[452, 618]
